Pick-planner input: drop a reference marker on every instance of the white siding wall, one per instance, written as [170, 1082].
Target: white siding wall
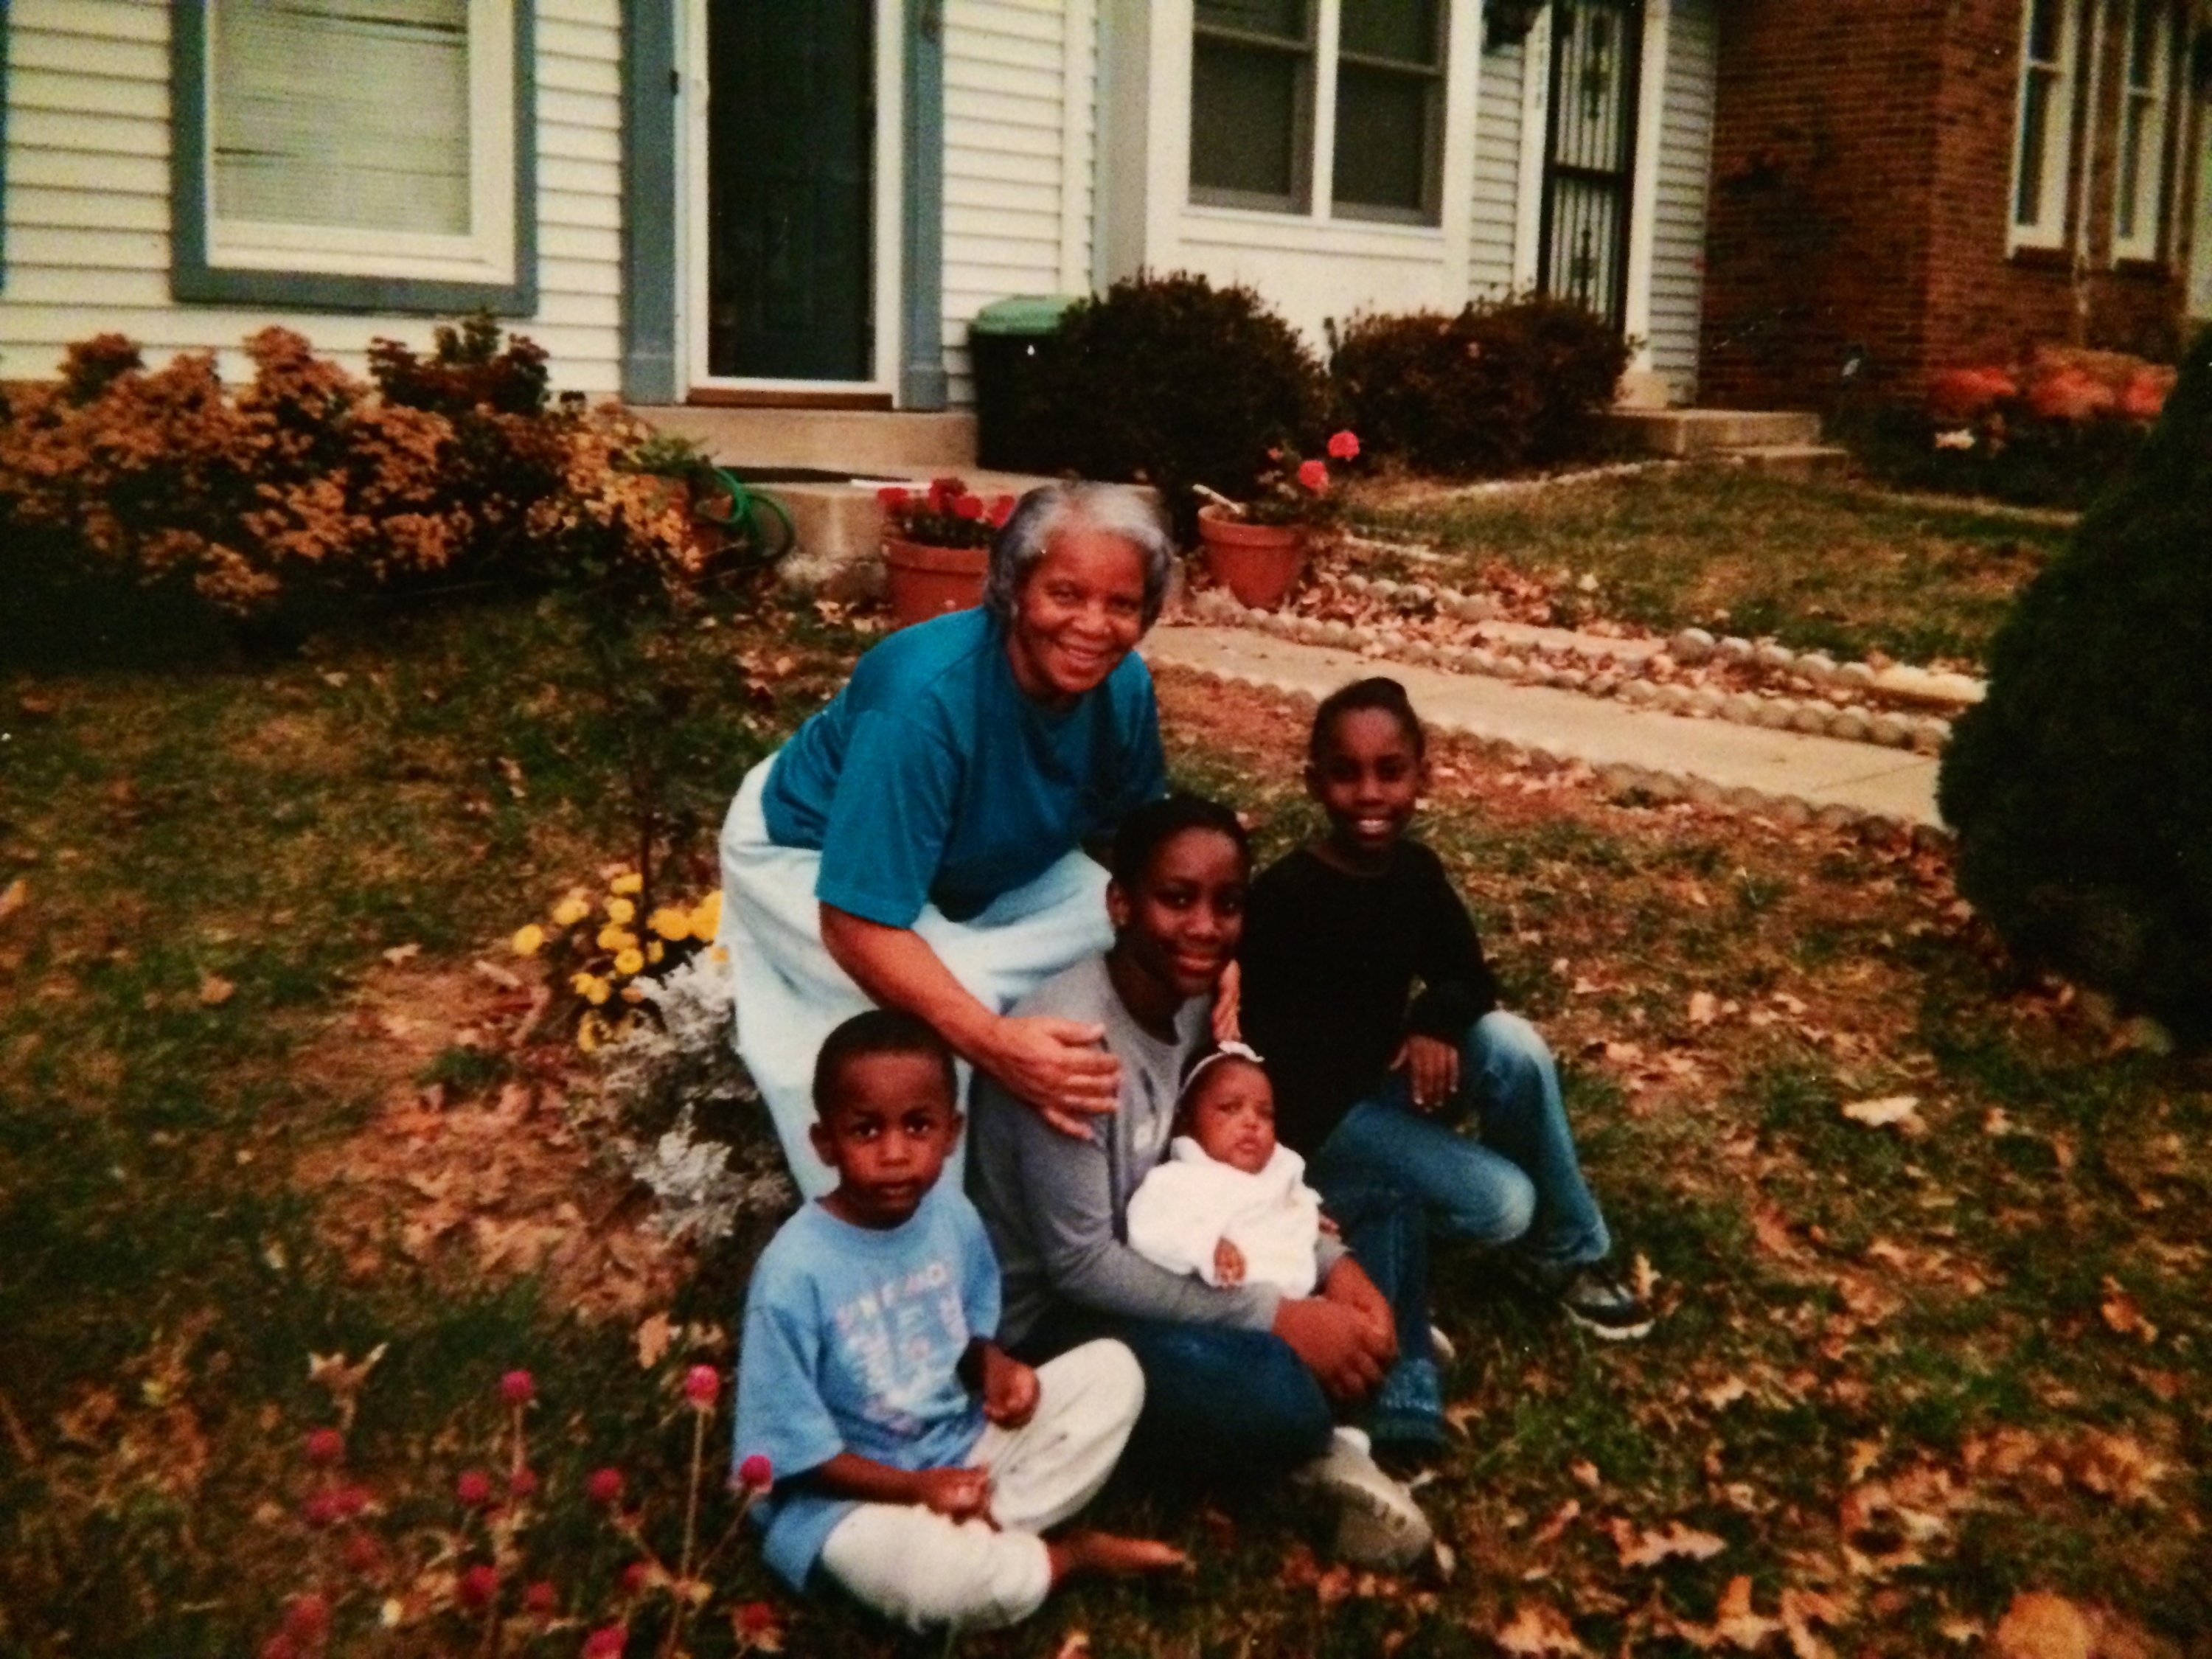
[1685, 147]
[88, 198]
[1496, 173]
[1020, 109]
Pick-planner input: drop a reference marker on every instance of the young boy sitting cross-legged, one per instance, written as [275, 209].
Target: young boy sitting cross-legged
[916, 1464]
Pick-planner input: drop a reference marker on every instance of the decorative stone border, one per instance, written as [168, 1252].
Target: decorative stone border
[1843, 700]
[1638, 784]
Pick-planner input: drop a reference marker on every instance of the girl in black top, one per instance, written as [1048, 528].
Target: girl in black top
[1371, 1079]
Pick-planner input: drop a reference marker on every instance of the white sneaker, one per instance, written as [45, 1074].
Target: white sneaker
[1378, 1522]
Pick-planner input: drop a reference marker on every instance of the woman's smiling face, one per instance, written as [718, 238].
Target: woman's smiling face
[1179, 924]
[1078, 613]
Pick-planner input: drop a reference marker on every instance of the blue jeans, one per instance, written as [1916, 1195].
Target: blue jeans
[1514, 1180]
[1220, 1403]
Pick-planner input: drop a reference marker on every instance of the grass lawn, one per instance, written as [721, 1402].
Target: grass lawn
[1815, 563]
[253, 1110]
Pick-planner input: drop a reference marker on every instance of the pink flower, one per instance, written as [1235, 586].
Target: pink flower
[605, 1486]
[325, 1446]
[479, 1584]
[1002, 508]
[542, 1599]
[308, 1617]
[606, 1643]
[522, 1483]
[1344, 446]
[473, 1488]
[701, 1384]
[756, 1473]
[892, 499]
[1314, 475]
[518, 1388]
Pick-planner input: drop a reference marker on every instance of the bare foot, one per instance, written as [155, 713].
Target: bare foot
[1112, 1554]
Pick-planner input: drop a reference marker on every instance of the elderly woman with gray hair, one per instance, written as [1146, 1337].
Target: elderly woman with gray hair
[918, 843]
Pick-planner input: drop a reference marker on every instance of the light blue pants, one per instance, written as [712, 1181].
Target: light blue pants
[791, 995]
[1516, 1179]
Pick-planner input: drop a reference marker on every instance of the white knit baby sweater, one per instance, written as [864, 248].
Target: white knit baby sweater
[1190, 1203]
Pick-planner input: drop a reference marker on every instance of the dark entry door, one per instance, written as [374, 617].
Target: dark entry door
[1589, 153]
[790, 190]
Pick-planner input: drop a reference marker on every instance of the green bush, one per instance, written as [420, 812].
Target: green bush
[1172, 381]
[2082, 789]
[1497, 388]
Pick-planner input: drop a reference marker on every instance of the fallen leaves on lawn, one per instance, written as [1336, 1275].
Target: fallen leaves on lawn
[216, 990]
[2123, 1314]
[14, 896]
[1899, 1112]
[1704, 1008]
[1562, 1519]
[1648, 1549]
[1538, 1631]
[331, 1371]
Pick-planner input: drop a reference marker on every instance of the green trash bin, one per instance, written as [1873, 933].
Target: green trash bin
[1008, 343]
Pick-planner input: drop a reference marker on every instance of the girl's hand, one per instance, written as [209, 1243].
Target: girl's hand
[1228, 1004]
[1228, 1264]
[1431, 1068]
[1009, 1389]
[1056, 1066]
[955, 1494]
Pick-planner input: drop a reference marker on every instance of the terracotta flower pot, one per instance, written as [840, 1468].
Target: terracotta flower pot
[1260, 563]
[928, 581]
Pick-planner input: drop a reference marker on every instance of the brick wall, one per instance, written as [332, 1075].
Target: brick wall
[1861, 180]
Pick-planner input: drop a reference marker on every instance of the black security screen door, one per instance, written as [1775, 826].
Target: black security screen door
[1589, 153]
[790, 189]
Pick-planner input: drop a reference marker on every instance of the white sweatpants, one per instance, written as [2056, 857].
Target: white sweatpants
[791, 995]
[921, 1570]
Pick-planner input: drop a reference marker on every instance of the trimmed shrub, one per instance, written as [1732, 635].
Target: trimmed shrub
[1170, 382]
[1497, 388]
[2081, 790]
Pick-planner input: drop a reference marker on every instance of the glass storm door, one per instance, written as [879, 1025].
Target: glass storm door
[790, 189]
[1589, 154]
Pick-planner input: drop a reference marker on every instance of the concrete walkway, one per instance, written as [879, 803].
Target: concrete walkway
[1722, 757]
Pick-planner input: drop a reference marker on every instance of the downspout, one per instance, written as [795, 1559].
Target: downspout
[2091, 113]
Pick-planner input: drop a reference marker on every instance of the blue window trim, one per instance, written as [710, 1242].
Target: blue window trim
[192, 278]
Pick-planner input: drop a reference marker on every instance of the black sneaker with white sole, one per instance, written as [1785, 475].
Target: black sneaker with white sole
[1592, 1297]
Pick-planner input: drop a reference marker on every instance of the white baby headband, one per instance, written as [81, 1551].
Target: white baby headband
[1230, 1050]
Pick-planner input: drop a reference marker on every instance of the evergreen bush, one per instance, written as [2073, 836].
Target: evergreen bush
[1172, 381]
[1499, 387]
[2082, 789]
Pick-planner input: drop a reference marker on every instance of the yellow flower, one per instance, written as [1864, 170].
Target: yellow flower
[620, 909]
[655, 950]
[591, 1032]
[630, 961]
[614, 937]
[528, 941]
[590, 988]
[629, 882]
[670, 923]
[706, 917]
[571, 910]
[631, 993]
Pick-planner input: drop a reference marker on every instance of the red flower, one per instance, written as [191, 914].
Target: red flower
[522, 1483]
[479, 1584]
[636, 1576]
[542, 1599]
[1314, 475]
[756, 1473]
[892, 498]
[308, 1617]
[943, 492]
[325, 1446]
[279, 1646]
[606, 1643]
[517, 1389]
[1344, 446]
[473, 1488]
[323, 1508]
[701, 1384]
[968, 507]
[351, 1501]
[605, 1486]
[755, 1618]
[1002, 508]
[363, 1553]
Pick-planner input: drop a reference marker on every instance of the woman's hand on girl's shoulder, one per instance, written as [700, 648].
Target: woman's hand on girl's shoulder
[1060, 1067]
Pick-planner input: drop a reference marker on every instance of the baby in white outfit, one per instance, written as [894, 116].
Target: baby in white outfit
[1230, 1203]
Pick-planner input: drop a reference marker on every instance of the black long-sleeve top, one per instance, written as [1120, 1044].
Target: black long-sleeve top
[1329, 960]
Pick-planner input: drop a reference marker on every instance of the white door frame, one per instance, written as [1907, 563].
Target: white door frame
[886, 243]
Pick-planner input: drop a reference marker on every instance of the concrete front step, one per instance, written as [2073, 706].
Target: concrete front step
[1698, 432]
[861, 441]
[1791, 460]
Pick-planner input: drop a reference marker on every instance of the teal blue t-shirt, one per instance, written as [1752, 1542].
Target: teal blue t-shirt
[853, 1343]
[932, 779]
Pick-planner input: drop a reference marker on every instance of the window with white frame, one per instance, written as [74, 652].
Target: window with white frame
[1254, 137]
[2139, 173]
[2042, 148]
[343, 141]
